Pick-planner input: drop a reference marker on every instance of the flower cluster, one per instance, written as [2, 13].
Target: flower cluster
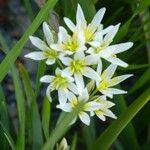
[80, 75]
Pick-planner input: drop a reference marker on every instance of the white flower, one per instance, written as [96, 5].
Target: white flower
[107, 51]
[63, 145]
[70, 44]
[107, 82]
[89, 106]
[81, 24]
[79, 66]
[47, 51]
[104, 110]
[60, 82]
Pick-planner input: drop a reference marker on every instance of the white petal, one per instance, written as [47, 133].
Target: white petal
[80, 39]
[94, 43]
[98, 18]
[92, 106]
[56, 47]
[58, 71]
[84, 96]
[98, 37]
[90, 50]
[122, 47]
[116, 91]
[111, 34]
[50, 61]
[109, 72]
[48, 93]
[106, 30]
[79, 55]
[118, 79]
[117, 61]
[67, 72]
[70, 24]
[66, 60]
[72, 87]
[110, 114]
[84, 117]
[62, 34]
[90, 73]
[35, 55]
[67, 107]
[107, 93]
[48, 34]
[100, 115]
[99, 67]
[91, 60]
[71, 96]
[46, 79]
[79, 82]
[80, 19]
[38, 43]
[62, 97]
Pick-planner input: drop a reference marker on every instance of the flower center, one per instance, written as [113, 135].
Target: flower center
[88, 32]
[74, 103]
[59, 82]
[71, 44]
[76, 66]
[103, 85]
[50, 53]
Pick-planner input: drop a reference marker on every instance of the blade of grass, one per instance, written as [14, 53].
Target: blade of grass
[46, 112]
[34, 113]
[111, 133]
[16, 50]
[8, 137]
[21, 109]
[141, 81]
[74, 142]
[61, 128]
[4, 118]
[40, 73]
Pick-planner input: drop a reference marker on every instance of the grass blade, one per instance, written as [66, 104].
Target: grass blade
[21, 109]
[112, 132]
[46, 112]
[7, 135]
[141, 81]
[34, 113]
[16, 50]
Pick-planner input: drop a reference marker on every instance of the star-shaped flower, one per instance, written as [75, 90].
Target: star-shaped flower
[89, 30]
[79, 67]
[60, 82]
[104, 109]
[47, 50]
[107, 82]
[89, 106]
[107, 51]
[70, 44]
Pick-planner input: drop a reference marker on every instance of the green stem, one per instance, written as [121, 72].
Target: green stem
[60, 64]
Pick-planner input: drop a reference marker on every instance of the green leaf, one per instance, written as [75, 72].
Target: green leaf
[21, 109]
[16, 50]
[111, 133]
[7, 135]
[33, 109]
[141, 81]
[40, 73]
[61, 128]
[46, 112]
[74, 142]
[4, 118]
